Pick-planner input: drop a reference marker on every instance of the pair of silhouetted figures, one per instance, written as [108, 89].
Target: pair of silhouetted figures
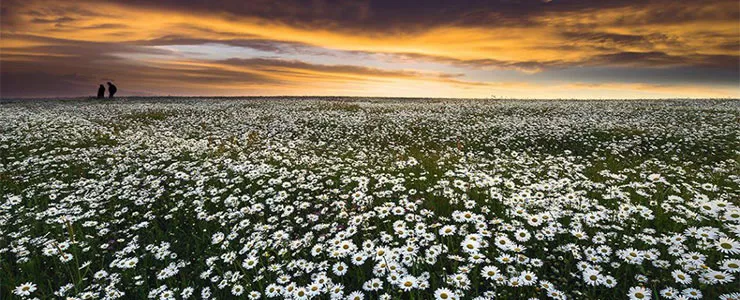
[111, 91]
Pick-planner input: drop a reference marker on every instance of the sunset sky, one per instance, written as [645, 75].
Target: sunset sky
[504, 48]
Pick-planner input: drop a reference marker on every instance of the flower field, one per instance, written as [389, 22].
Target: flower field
[327, 198]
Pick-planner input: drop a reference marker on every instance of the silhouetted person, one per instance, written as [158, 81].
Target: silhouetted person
[111, 90]
[101, 92]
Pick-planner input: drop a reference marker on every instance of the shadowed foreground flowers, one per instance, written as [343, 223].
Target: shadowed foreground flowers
[369, 199]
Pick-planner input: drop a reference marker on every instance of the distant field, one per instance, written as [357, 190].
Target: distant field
[168, 198]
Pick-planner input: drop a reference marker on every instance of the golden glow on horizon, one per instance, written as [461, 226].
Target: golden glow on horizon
[516, 47]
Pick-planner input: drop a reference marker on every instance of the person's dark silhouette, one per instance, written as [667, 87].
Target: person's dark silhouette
[111, 90]
[101, 92]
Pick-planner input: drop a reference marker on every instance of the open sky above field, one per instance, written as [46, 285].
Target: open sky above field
[504, 48]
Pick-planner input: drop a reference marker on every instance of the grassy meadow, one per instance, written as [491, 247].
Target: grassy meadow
[364, 198]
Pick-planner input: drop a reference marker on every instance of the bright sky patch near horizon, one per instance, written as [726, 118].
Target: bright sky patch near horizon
[503, 48]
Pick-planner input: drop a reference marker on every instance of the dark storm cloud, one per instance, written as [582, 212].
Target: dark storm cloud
[636, 59]
[409, 16]
[363, 15]
[731, 46]
[666, 75]
[673, 12]
[401, 16]
[106, 26]
[86, 50]
[616, 41]
[59, 20]
[657, 58]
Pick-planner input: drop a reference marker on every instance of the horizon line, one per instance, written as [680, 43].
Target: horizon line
[359, 97]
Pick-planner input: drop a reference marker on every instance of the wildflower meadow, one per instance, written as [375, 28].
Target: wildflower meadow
[369, 198]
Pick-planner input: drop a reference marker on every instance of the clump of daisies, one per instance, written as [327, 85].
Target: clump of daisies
[369, 199]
